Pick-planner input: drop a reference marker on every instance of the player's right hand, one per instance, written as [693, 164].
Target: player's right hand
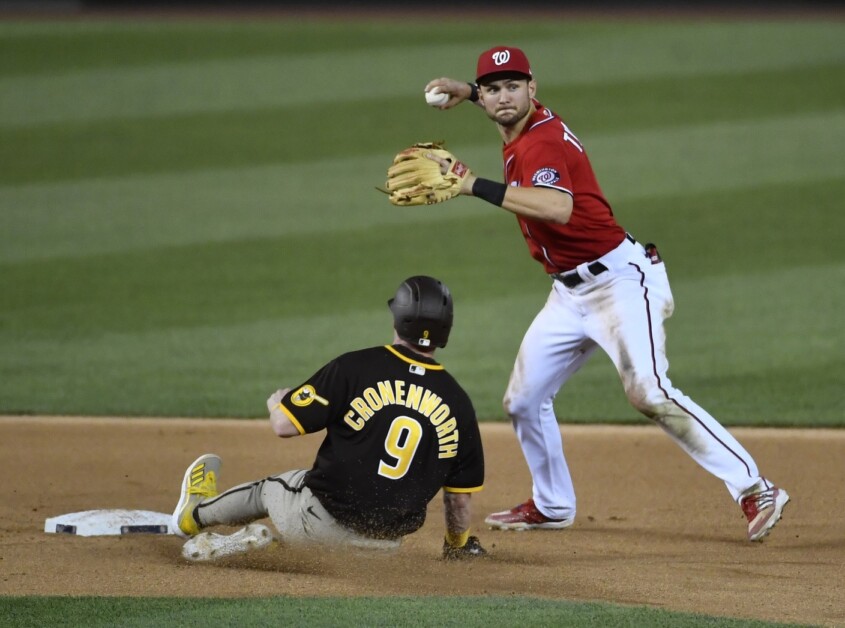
[472, 549]
[458, 91]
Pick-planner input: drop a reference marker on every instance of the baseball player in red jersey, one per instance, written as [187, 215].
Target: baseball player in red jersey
[608, 291]
[399, 428]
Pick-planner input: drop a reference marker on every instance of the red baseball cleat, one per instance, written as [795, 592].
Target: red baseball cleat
[526, 517]
[763, 510]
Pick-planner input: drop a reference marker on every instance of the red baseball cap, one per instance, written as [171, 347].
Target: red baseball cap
[502, 59]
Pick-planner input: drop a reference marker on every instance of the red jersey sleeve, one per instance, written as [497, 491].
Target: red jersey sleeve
[545, 165]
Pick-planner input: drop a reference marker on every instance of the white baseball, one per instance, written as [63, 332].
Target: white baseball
[435, 98]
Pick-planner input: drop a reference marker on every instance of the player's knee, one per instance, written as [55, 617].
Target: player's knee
[646, 399]
[506, 403]
[514, 405]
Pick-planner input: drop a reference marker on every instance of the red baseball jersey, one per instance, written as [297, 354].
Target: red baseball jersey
[547, 154]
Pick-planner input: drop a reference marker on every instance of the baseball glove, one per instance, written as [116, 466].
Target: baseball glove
[472, 549]
[415, 179]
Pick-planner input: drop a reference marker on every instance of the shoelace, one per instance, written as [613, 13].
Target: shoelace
[758, 501]
[207, 487]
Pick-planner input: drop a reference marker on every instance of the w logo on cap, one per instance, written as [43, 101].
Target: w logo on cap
[501, 57]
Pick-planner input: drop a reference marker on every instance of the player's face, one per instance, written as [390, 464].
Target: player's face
[507, 101]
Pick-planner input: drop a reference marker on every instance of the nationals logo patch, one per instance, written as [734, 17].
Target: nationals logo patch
[545, 176]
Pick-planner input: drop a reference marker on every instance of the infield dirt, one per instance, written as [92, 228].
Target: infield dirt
[652, 529]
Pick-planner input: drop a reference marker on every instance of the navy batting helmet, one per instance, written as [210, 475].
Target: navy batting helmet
[422, 311]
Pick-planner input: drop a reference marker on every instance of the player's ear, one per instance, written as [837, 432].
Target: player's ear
[532, 88]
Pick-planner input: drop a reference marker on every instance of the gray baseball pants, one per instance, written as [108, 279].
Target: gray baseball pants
[296, 513]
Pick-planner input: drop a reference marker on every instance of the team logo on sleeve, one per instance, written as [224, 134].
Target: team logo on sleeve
[306, 395]
[545, 176]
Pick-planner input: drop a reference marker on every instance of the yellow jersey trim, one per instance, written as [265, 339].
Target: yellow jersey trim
[433, 367]
[451, 489]
[293, 420]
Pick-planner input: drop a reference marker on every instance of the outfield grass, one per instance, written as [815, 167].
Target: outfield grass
[422, 611]
[188, 216]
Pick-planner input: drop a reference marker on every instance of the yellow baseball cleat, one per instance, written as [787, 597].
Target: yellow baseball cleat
[200, 483]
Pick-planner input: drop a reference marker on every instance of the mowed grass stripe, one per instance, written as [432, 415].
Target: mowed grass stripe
[625, 50]
[723, 233]
[332, 196]
[199, 371]
[756, 322]
[669, 101]
[49, 49]
[219, 85]
[252, 135]
[252, 279]
[299, 201]
[279, 276]
[238, 138]
[447, 611]
[296, 77]
[720, 156]
[55, 48]
[227, 370]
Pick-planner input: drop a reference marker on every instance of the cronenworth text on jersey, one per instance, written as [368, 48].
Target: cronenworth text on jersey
[418, 398]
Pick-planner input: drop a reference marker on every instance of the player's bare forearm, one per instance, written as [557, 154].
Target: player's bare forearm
[458, 512]
[458, 544]
[537, 203]
[279, 421]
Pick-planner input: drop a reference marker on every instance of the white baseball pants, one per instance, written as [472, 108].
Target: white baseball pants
[621, 310]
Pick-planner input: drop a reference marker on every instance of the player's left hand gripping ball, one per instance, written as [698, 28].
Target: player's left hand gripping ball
[417, 179]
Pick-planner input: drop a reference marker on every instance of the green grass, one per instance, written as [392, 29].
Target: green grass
[190, 220]
[181, 142]
[429, 611]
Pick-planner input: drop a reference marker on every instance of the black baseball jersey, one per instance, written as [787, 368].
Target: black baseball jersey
[399, 428]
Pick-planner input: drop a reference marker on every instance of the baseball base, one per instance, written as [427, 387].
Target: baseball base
[109, 522]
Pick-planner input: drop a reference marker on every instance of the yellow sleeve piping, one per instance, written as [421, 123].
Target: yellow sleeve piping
[452, 489]
[292, 419]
